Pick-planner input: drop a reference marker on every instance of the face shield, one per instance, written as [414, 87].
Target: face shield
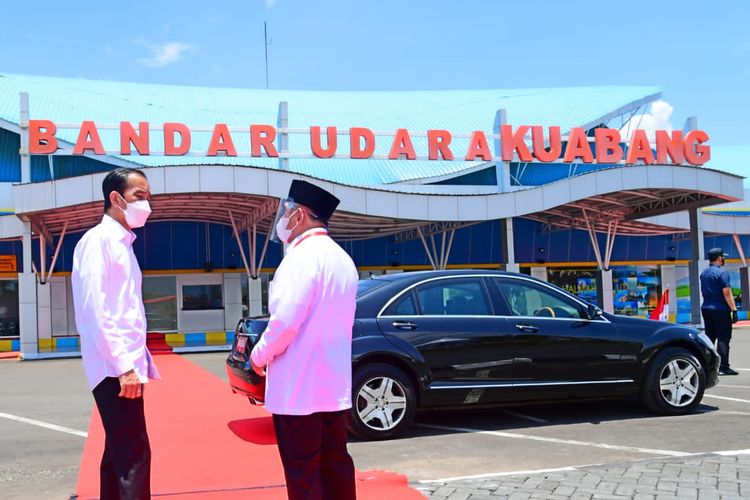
[286, 205]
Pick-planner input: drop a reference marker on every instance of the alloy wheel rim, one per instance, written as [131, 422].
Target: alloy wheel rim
[381, 403]
[679, 382]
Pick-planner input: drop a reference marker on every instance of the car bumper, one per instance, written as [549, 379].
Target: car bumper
[712, 368]
[244, 381]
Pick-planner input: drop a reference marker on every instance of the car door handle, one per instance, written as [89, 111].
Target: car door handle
[405, 325]
[527, 328]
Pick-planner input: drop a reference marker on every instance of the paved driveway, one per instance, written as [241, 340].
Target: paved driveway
[584, 448]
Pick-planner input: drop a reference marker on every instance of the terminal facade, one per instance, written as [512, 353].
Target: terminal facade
[428, 180]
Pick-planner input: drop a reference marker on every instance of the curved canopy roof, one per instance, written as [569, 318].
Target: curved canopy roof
[248, 195]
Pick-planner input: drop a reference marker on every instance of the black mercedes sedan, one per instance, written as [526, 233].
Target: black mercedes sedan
[468, 338]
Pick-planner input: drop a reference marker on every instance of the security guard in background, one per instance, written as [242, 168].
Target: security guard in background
[307, 347]
[718, 309]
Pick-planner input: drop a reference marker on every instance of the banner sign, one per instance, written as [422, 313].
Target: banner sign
[8, 264]
[523, 143]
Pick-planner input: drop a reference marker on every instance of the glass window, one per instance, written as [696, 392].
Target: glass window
[202, 297]
[160, 303]
[404, 306]
[528, 299]
[9, 308]
[579, 282]
[453, 297]
[365, 285]
[636, 290]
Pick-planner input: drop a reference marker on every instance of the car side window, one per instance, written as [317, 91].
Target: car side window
[528, 299]
[453, 297]
[403, 306]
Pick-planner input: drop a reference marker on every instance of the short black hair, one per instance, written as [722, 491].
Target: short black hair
[117, 180]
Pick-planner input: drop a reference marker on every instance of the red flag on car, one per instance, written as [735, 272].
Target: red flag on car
[662, 309]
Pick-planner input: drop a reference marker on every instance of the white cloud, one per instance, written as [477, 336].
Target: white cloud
[270, 3]
[658, 118]
[164, 54]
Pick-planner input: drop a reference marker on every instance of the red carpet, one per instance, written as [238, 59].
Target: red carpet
[209, 443]
[157, 343]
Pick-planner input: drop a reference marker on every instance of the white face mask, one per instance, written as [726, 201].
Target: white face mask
[281, 230]
[137, 213]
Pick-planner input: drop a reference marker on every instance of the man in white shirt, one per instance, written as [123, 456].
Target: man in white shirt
[111, 321]
[307, 348]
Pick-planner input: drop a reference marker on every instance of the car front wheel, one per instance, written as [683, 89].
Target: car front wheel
[383, 402]
[675, 382]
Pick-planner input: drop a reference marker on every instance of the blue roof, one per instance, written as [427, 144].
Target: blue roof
[66, 100]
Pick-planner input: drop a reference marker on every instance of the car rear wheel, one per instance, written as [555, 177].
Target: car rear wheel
[675, 382]
[383, 402]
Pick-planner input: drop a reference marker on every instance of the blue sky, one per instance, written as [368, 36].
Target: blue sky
[699, 53]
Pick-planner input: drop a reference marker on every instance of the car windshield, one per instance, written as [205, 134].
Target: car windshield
[368, 285]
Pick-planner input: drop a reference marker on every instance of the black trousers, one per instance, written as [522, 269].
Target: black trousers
[317, 465]
[125, 471]
[719, 328]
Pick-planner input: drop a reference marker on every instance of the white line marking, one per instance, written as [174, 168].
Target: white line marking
[510, 435]
[742, 369]
[726, 398]
[735, 386]
[500, 474]
[39, 423]
[525, 417]
[732, 453]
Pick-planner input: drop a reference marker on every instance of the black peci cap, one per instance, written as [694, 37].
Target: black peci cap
[715, 253]
[317, 199]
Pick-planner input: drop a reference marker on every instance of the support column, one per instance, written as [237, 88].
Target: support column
[669, 281]
[44, 313]
[604, 282]
[255, 296]
[744, 276]
[539, 272]
[59, 306]
[232, 300]
[502, 168]
[27, 303]
[282, 123]
[697, 264]
[605, 295]
[745, 290]
[508, 245]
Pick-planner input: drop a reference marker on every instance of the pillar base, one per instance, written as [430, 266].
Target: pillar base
[539, 272]
[604, 290]
[27, 313]
[513, 267]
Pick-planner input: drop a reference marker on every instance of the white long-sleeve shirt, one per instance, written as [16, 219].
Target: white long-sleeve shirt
[307, 344]
[108, 304]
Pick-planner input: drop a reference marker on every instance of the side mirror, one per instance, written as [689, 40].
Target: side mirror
[593, 312]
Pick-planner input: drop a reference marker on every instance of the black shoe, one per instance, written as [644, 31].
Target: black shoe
[727, 371]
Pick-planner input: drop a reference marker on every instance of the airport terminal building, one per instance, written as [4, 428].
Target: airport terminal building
[538, 181]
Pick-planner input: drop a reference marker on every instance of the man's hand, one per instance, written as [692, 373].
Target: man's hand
[257, 369]
[735, 318]
[130, 385]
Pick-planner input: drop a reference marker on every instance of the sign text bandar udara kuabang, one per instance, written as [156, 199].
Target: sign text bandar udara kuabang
[547, 143]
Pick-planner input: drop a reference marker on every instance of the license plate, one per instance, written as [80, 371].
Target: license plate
[241, 344]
